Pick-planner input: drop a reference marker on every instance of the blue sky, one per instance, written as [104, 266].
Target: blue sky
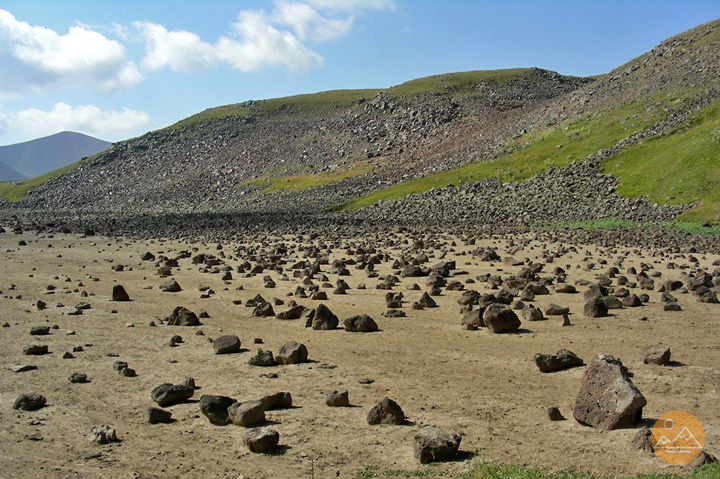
[117, 69]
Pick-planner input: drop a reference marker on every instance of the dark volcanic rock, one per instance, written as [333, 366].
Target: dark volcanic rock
[656, 354]
[607, 398]
[499, 318]
[563, 359]
[215, 408]
[596, 308]
[261, 439]
[119, 293]
[155, 415]
[29, 402]
[432, 444]
[361, 323]
[324, 319]
[168, 394]
[227, 344]
[338, 399]
[292, 353]
[386, 411]
[182, 317]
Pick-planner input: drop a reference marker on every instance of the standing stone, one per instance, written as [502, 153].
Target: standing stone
[215, 408]
[226, 344]
[119, 293]
[433, 444]
[607, 398]
[386, 411]
[261, 439]
[292, 353]
[656, 354]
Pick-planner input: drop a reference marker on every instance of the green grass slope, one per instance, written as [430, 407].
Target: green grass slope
[15, 191]
[680, 168]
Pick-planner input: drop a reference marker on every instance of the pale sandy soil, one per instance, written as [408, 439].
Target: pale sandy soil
[483, 386]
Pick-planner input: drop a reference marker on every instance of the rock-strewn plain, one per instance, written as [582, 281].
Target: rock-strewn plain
[485, 387]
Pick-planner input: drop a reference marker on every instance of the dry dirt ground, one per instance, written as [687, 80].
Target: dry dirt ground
[485, 387]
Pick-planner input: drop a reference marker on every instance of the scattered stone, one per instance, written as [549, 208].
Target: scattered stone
[119, 365]
[215, 408]
[35, 350]
[562, 359]
[128, 373]
[246, 414]
[226, 344]
[40, 330]
[281, 400]
[499, 318]
[473, 320]
[556, 310]
[261, 439]
[78, 378]
[386, 411]
[361, 323]
[338, 399]
[119, 293]
[155, 415]
[292, 353]
[607, 398]
[182, 317]
[103, 434]
[531, 313]
[596, 307]
[21, 368]
[433, 444]
[68, 355]
[29, 402]
[554, 414]
[656, 354]
[642, 441]
[324, 319]
[168, 394]
[262, 358]
[170, 286]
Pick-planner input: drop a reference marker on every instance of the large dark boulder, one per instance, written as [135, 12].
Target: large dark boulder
[292, 353]
[29, 402]
[607, 398]
[227, 344]
[499, 318]
[596, 307]
[182, 317]
[324, 319]
[119, 293]
[362, 323]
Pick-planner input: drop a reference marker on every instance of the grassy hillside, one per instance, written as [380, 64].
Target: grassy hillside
[458, 83]
[18, 190]
[680, 168]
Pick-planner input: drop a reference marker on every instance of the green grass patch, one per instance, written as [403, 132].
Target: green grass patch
[461, 83]
[309, 102]
[692, 227]
[304, 181]
[531, 154]
[372, 472]
[679, 168]
[15, 191]
[509, 471]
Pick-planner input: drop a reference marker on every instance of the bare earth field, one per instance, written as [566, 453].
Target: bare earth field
[483, 386]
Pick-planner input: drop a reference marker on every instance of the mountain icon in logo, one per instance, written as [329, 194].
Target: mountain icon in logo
[683, 442]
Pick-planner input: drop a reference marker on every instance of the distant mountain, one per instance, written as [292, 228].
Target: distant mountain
[37, 157]
[9, 174]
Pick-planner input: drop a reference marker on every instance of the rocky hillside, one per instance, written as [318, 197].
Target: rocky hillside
[513, 147]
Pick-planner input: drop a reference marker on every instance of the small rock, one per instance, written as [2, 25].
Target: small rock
[78, 378]
[656, 354]
[554, 414]
[433, 444]
[40, 330]
[261, 439]
[292, 353]
[262, 358]
[562, 359]
[168, 394]
[29, 402]
[103, 434]
[215, 408]
[338, 399]
[155, 415]
[226, 344]
[386, 411]
[119, 293]
[35, 350]
[642, 441]
[247, 414]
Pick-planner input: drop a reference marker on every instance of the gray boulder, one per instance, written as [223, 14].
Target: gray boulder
[155, 415]
[338, 399]
[324, 319]
[170, 286]
[261, 439]
[29, 402]
[656, 354]
[596, 308]
[246, 414]
[182, 317]
[262, 358]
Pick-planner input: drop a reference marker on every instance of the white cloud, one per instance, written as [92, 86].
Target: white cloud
[257, 39]
[87, 119]
[34, 57]
[179, 50]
